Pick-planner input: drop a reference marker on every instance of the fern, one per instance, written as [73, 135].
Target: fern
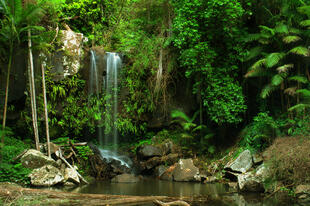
[252, 37]
[278, 79]
[285, 67]
[179, 114]
[290, 39]
[300, 79]
[267, 90]
[273, 59]
[303, 51]
[266, 30]
[281, 29]
[304, 10]
[305, 23]
[299, 107]
[304, 92]
[254, 52]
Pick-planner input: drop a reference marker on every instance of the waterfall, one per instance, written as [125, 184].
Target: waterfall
[93, 86]
[113, 65]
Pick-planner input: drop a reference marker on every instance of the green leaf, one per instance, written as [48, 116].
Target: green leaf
[299, 107]
[254, 52]
[290, 39]
[281, 28]
[278, 79]
[273, 59]
[303, 51]
[300, 79]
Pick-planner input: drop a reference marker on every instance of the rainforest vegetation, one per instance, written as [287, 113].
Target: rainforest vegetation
[213, 74]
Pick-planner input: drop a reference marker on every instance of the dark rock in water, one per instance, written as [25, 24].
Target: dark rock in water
[242, 164]
[186, 171]
[147, 151]
[46, 176]
[155, 161]
[125, 178]
[35, 159]
[160, 170]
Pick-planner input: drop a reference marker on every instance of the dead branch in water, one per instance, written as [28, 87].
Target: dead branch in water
[174, 203]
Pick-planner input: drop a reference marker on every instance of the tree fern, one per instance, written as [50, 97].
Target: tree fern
[252, 37]
[278, 79]
[305, 93]
[281, 29]
[300, 79]
[300, 50]
[254, 52]
[305, 23]
[256, 68]
[273, 59]
[285, 67]
[267, 90]
[290, 39]
[265, 30]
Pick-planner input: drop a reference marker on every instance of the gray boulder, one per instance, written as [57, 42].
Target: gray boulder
[35, 159]
[250, 183]
[125, 178]
[148, 151]
[160, 170]
[46, 176]
[242, 164]
[185, 171]
[167, 175]
[71, 175]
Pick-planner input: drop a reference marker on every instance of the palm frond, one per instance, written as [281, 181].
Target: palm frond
[3, 7]
[305, 23]
[284, 68]
[290, 39]
[254, 52]
[303, 51]
[273, 59]
[278, 79]
[300, 79]
[16, 7]
[267, 90]
[32, 13]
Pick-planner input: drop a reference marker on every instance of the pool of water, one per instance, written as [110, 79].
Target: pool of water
[218, 194]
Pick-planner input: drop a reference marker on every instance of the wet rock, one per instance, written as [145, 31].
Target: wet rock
[155, 161]
[186, 171]
[233, 185]
[160, 170]
[71, 176]
[34, 159]
[125, 178]
[250, 183]
[262, 172]
[46, 176]
[167, 175]
[242, 164]
[148, 151]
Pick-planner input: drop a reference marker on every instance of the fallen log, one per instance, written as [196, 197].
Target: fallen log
[174, 203]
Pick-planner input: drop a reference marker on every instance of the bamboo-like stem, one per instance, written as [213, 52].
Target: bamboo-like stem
[32, 92]
[46, 113]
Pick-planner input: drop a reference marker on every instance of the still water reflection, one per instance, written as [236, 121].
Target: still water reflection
[220, 194]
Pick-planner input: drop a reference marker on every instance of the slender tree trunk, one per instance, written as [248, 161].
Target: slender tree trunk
[6, 98]
[46, 113]
[32, 93]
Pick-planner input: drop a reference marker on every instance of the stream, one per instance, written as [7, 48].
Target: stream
[220, 194]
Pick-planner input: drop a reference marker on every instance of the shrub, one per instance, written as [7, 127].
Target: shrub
[289, 160]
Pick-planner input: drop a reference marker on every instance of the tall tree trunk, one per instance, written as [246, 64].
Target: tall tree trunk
[32, 93]
[6, 98]
[46, 113]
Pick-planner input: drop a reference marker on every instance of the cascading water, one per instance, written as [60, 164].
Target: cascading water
[93, 87]
[113, 65]
[110, 80]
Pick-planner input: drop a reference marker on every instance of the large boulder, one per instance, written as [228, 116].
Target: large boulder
[35, 159]
[155, 161]
[250, 183]
[185, 171]
[148, 151]
[160, 170]
[46, 176]
[242, 164]
[125, 178]
[167, 175]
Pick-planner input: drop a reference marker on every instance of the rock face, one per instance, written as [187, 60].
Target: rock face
[250, 183]
[34, 159]
[242, 164]
[46, 176]
[125, 178]
[186, 171]
[167, 175]
[147, 151]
